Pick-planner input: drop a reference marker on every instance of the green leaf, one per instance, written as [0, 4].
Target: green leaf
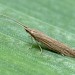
[55, 18]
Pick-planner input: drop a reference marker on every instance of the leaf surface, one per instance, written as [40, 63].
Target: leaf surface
[55, 18]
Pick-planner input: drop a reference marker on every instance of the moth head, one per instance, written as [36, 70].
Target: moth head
[32, 32]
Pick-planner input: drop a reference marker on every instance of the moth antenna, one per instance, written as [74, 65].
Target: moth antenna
[14, 20]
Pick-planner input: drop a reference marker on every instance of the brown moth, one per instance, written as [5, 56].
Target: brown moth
[49, 42]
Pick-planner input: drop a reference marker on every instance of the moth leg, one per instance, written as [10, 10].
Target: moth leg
[36, 42]
[62, 54]
[30, 47]
[31, 41]
[39, 46]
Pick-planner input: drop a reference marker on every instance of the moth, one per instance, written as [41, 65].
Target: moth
[50, 43]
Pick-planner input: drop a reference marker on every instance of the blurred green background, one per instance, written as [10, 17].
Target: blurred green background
[56, 18]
